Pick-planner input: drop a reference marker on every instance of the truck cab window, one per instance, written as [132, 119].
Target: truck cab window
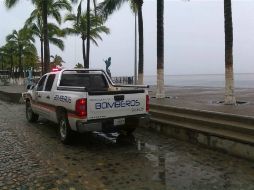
[41, 83]
[90, 81]
[50, 82]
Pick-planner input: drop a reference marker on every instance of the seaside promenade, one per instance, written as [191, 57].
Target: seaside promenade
[32, 156]
[200, 98]
[194, 114]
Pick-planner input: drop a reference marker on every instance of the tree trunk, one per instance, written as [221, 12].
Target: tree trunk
[12, 66]
[45, 36]
[88, 36]
[2, 60]
[229, 73]
[135, 49]
[20, 64]
[84, 52]
[42, 66]
[141, 44]
[160, 49]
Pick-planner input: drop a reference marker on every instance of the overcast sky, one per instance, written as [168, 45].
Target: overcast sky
[194, 37]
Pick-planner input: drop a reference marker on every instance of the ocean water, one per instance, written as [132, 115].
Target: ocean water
[209, 80]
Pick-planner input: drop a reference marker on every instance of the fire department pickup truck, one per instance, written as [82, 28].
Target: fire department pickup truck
[85, 100]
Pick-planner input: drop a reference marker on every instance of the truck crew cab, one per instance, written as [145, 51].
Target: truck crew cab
[85, 100]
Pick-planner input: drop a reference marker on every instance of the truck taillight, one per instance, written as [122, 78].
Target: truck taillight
[81, 107]
[147, 103]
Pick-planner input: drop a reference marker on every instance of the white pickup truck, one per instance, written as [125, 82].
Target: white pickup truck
[86, 100]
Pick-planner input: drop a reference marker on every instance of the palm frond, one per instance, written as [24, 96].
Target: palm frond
[57, 42]
[10, 3]
[107, 7]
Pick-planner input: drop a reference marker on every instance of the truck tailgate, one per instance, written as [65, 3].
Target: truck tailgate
[119, 105]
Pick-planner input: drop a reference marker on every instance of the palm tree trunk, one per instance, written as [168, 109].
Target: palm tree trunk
[20, 64]
[229, 74]
[12, 65]
[135, 49]
[160, 49]
[45, 36]
[88, 35]
[42, 66]
[84, 52]
[2, 60]
[141, 44]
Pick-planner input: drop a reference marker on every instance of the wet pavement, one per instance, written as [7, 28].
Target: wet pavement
[32, 157]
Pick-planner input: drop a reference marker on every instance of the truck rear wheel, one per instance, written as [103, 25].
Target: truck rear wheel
[30, 115]
[65, 130]
[129, 130]
[130, 127]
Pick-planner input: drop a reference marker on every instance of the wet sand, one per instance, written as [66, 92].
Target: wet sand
[206, 98]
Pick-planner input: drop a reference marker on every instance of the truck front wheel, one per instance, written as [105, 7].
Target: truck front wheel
[30, 115]
[65, 130]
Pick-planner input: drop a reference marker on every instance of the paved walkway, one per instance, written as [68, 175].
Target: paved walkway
[202, 98]
[32, 157]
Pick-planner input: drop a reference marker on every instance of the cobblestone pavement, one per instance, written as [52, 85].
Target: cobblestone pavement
[32, 157]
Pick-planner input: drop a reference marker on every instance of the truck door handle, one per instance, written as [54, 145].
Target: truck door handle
[48, 97]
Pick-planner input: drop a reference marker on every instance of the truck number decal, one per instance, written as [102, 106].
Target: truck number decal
[118, 104]
[61, 98]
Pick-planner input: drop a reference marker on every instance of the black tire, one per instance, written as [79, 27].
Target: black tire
[131, 125]
[30, 115]
[129, 130]
[65, 131]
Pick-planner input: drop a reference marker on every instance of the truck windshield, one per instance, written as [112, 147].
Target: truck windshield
[88, 80]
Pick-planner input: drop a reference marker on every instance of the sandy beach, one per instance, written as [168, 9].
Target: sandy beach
[206, 98]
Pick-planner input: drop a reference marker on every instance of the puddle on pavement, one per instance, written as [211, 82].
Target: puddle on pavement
[151, 152]
[152, 161]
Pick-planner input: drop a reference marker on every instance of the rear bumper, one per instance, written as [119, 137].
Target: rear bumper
[106, 125]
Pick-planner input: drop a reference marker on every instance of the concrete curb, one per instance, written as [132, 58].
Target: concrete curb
[11, 97]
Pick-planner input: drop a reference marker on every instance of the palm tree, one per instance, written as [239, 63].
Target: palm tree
[88, 26]
[160, 50]
[80, 28]
[229, 74]
[57, 61]
[46, 8]
[53, 34]
[107, 7]
[23, 41]
[79, 66]
[8, 53]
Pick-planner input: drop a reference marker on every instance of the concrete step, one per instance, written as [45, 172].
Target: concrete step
[228, 126]
[207, 114]
[232, 135]
[193, 117]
